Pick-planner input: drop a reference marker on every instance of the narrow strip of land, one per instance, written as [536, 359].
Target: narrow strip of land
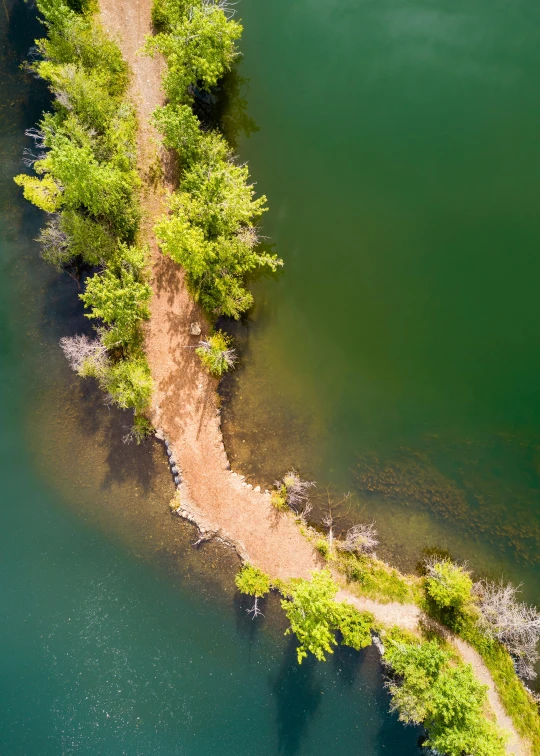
[185, 404]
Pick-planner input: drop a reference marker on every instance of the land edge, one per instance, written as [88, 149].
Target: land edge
[185, 406]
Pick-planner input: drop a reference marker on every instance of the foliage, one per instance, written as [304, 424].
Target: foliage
[119, 298]
[252, 581]
[129, 383]
[355, 627]
[445, 696]
[199, 46]
[211, 229]
[448, 584]
[86, 180]
[315, 617]
[278, 498]
[141, 429]
[323, 548]
[216, 353]
[517, 700]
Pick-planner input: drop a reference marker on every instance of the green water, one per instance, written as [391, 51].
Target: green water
[398, 356]
[119, 638]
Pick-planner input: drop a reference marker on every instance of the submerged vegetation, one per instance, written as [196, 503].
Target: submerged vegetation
[86, 180]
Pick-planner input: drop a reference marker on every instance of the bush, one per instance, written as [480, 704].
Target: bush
[448, 584]
[129, 383]
[216, 353]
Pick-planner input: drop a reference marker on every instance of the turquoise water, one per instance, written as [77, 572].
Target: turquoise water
[117, 636]
[398, 356]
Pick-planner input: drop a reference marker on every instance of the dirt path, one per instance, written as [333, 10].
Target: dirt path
[185, 404]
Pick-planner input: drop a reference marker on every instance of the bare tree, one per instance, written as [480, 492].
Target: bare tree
[81, 350]
[515, 624]
[360, 539]
[334, 512]
[296, 490]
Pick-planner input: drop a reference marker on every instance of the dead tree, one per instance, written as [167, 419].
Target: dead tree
[81, 350]
[334, 513]
[296, 490]
[513, 623]
[360, 539]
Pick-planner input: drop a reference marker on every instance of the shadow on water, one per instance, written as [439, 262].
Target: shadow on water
[347, 664]
[298, 698]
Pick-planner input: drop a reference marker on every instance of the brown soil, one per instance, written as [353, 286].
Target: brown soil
[185, 404]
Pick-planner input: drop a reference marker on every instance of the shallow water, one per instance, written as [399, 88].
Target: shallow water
[398, 356]
[117, 636]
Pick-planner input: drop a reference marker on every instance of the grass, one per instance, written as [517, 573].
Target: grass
[377, 580]
[517, 701]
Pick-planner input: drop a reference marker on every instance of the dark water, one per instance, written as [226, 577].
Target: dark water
[117, 636]
[399, 354]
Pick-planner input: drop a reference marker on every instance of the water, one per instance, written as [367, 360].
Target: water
[398, 356]
[117, 636]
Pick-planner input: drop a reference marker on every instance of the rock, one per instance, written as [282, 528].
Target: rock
[257, 489]
[175, 470]
[169, 451]
[195, 329]
[228, 465]
[248, 485]
[177, 480]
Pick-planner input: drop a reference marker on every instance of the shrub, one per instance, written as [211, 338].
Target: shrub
[216, 353]
[129, 383]
[253, 582]
[448, 584]
[323, 548]
[139, 431]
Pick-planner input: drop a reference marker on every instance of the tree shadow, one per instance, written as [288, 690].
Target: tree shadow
[246, 626]
[347, 664]
[298, 697]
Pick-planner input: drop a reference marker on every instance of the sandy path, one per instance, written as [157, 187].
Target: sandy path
[185, 405]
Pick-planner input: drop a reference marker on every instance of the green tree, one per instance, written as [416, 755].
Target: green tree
[119, 299]
[431, 688]
[315, 617]
[253, 582]
[448, 584]
[199, 47]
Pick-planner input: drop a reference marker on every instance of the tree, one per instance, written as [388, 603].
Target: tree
[253, 582]
[120, 300]
[448, 584]
[84, 355]
[513, 623]
[315, 617]
[199, 46]
[430, 688]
